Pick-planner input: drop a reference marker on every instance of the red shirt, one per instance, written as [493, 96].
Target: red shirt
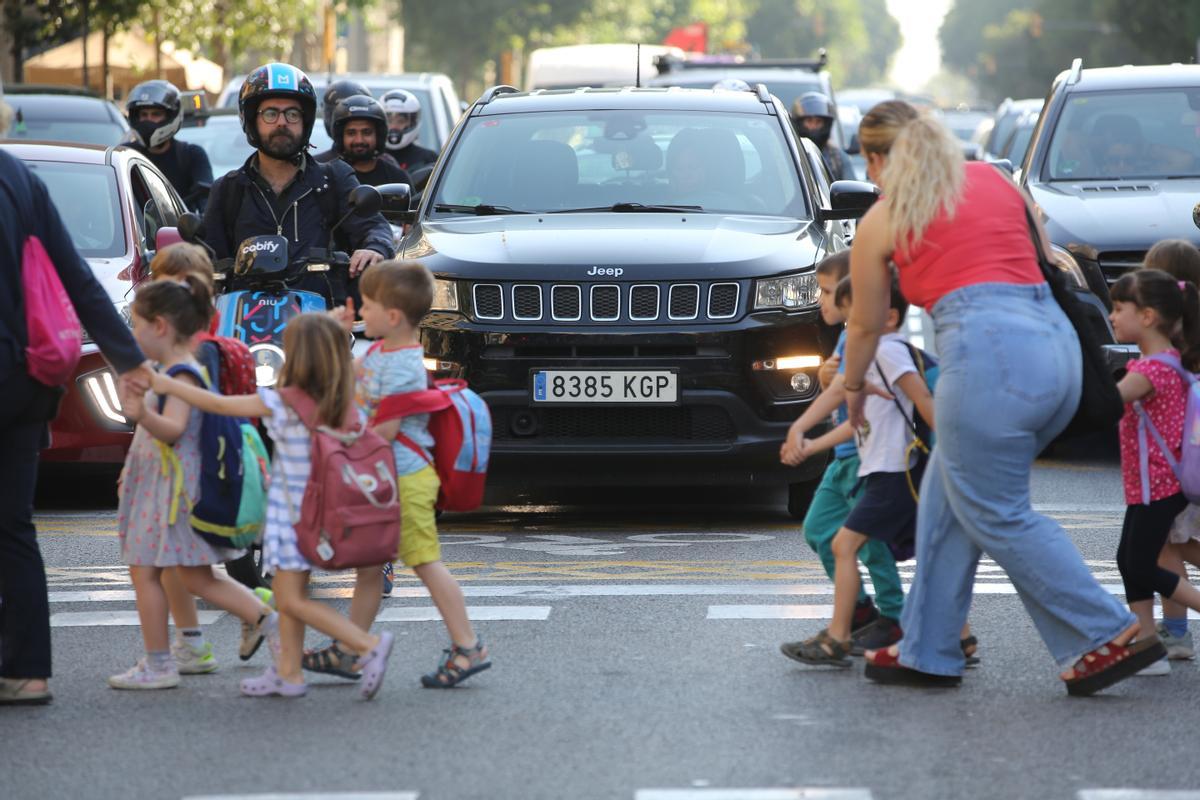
[1166, 409]
[986, 241]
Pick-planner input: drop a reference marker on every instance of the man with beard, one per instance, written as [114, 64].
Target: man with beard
[813, 115]
[281, 190]
[334, 94]
[155, 113]
[359, 131]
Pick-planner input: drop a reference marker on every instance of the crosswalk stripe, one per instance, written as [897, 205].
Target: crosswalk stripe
[813, 793]
[89, 619]
[476, 613]
[771, 612]
[1138, 794]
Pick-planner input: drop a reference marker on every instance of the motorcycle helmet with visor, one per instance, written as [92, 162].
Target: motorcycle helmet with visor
[813, 114]
[358, 106]
[338, 91]
[277, 81]
[403, 111]
[154, 95]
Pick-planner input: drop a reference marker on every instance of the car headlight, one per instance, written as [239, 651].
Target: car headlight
[790, 292]
[123, 308]
[445, 296]
[1066, 262]
[100, 388]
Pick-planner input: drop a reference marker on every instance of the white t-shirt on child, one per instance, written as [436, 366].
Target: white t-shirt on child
[884, 439]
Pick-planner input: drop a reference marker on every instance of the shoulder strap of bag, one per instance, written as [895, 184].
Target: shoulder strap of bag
[231, 196]
[911, 422]
[184, 369]
[1146, 424]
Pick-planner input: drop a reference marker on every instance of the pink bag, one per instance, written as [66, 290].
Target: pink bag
[55, 334]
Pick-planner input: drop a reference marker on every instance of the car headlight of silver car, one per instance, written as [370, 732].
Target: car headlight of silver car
[790, 292]
[445, 296]
[1066, 262]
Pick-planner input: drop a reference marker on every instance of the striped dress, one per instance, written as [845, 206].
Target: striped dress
[289, 475]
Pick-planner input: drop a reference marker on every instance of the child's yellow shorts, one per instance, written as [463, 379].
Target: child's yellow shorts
[418, 525]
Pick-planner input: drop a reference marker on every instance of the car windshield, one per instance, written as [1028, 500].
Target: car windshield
[1134, 134]
[87, 200]
[223, 142]
[563, 161]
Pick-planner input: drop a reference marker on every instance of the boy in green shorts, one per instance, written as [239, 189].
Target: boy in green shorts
[395, 296]
[835, 496]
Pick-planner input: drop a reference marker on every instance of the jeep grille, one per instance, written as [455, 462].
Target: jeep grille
[659, 303]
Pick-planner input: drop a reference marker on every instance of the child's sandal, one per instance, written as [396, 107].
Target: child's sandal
[450, 674]
[330, 660]
[821, 650]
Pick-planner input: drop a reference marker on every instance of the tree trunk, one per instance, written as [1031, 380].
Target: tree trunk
[103, 62]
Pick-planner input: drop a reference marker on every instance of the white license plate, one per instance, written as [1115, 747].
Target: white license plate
[605, 386]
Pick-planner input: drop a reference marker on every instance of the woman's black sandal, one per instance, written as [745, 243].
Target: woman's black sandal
[449, 674]
[331, 660]
[970, 646]
[821, 650]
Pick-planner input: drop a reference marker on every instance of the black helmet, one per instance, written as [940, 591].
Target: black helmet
[338, 91]
[814, 104]
[358, 106]
[406, 108]
[154, 94]
[276, 80]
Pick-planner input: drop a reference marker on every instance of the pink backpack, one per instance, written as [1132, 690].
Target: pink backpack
[55, 335]
[1187, 466]
[461, 426]
[350, 514]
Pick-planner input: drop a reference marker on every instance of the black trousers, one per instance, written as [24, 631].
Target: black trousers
[1142, 538]
[25, 613]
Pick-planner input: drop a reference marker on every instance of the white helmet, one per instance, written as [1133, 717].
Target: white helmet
[403, 111]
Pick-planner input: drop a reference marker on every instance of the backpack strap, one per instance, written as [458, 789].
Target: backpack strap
[426, 401]
[918, 362]
[230, 199]
[185, 369]
[306, 409]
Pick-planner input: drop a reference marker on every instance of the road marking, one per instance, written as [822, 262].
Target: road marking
[90, 619]
[1138, 794]
[771, 612]
[476, 613]
[813, 793]
[310, 796]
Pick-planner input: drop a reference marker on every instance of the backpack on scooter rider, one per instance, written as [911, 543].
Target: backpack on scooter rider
[350, 513]
[461, 426]
[231, 506]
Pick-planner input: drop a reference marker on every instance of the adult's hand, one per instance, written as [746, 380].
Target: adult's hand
[137, 380]
[361, 259]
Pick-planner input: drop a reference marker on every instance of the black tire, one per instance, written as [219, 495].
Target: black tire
[247, 570]
[800, 496]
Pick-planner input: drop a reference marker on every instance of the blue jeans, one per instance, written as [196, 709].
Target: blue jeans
[1009, 383]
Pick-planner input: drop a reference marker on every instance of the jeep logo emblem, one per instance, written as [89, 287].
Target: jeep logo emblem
[610, 272]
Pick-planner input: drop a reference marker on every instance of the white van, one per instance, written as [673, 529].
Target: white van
[592, 65]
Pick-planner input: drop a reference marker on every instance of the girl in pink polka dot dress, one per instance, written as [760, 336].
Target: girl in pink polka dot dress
[1161, 315]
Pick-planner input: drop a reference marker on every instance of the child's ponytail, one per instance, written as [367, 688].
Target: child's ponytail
[1189, 333]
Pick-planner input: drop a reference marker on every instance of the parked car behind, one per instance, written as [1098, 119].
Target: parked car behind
[63, 117]
[991, 137]
[119, 210]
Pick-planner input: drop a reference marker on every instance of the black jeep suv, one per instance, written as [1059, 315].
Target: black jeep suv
[626, 276]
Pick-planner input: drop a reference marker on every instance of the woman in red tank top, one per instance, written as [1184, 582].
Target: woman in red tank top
[1009, 382]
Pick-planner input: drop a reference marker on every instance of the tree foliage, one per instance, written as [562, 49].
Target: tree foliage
[233, 33]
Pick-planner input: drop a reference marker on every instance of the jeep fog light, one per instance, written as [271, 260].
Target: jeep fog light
[445, 296]
[801, 383]
[102, 391]
[790, 292]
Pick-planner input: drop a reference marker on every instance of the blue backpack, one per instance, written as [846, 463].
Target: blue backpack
[231, 506]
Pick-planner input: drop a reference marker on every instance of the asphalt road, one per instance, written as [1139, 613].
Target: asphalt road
[635, 639]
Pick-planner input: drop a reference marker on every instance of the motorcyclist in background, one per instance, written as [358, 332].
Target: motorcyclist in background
[813, 115]
[281, 190]
[155, 114]
[403, 111]
[359, 132]
[337, 91]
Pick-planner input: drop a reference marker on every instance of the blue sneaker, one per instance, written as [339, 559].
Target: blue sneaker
[389, 579]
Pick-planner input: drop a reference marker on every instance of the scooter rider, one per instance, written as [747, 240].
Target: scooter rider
[282, 190]
[337, 91]
[155, 113]
[813, 115]
[403, 111]
[359, 133]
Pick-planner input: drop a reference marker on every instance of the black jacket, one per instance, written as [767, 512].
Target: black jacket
[187, 167]
[298, 213]
[26, 210]
[413, 157]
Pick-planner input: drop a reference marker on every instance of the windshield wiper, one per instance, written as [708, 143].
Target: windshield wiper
[633, 208]
[481, 210]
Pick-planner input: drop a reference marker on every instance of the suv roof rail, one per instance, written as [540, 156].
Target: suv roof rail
[669, 63]
[763, 94]
[491, 94]
[1076, 71]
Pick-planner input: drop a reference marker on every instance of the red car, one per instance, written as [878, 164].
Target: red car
[119, 210]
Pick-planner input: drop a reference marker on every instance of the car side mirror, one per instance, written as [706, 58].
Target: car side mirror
[853, 147]
[1003, 164]
[396, 199]
[365, 201]
[165, 237]
[850, 199]
[188, 226]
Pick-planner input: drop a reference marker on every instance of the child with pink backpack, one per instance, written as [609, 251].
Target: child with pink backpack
[1160, 440]
[393, 390]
